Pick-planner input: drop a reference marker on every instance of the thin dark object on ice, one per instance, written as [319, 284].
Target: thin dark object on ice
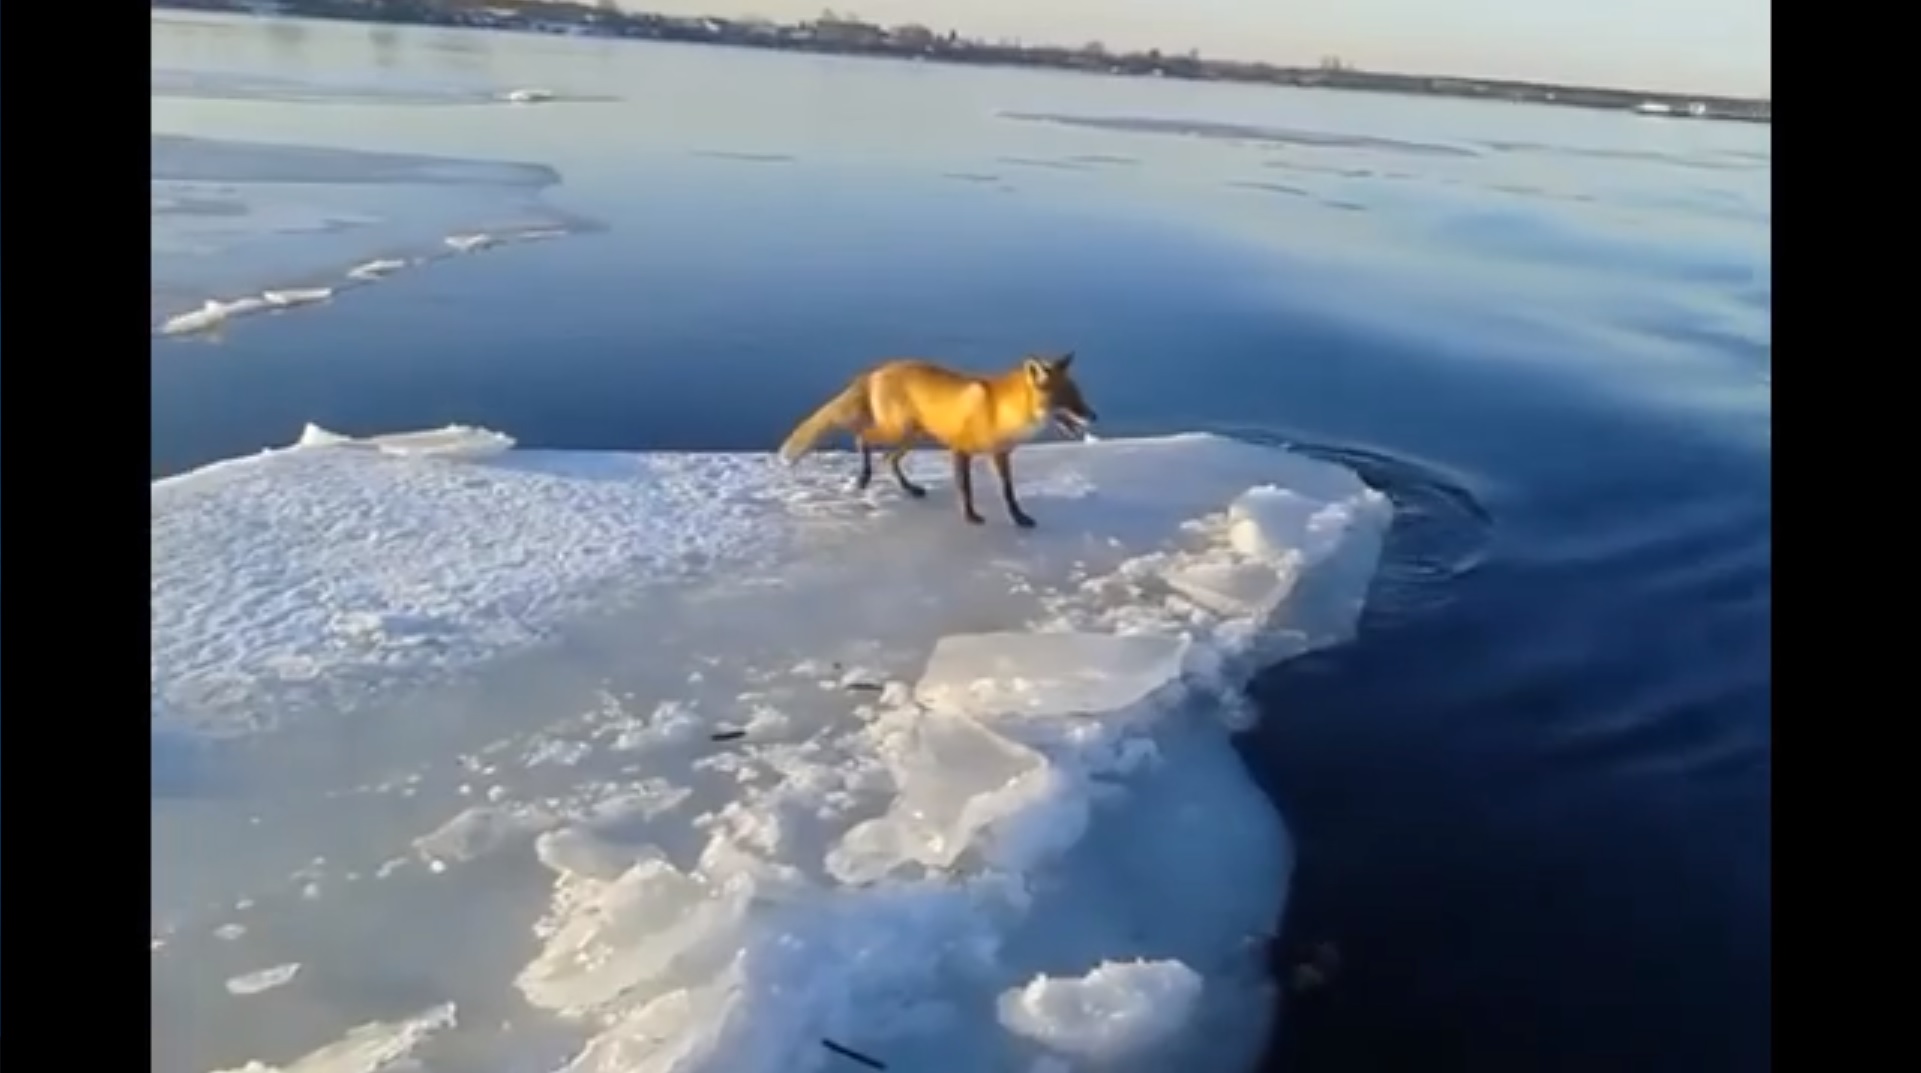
[846, 1052]
[864, 687]
[726, 735]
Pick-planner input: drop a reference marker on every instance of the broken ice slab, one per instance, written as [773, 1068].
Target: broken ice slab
[959, 786]
[1041, 675]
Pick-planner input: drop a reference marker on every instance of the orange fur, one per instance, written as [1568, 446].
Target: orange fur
[970, 414]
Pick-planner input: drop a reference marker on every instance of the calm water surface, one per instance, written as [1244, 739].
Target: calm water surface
[1532, 800]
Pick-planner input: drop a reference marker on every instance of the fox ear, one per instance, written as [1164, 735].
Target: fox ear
[1037, 371]
[1064, 360]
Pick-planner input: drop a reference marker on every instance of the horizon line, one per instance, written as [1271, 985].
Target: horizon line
[855, 19]
[271, 8]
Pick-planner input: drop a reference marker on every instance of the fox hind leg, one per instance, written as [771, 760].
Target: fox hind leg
[866, 475]
[894, 457]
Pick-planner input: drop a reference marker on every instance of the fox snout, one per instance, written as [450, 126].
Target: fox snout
[1079, 411]
[1075, 422]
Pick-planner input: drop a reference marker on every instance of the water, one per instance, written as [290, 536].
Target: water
[1532, 801]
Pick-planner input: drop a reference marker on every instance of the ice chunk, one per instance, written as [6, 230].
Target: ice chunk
[452, 441]
[480, 830]
[1273, 535]
[652, 930]
[1277, 525]
[368, 271]
[294, 296]
[956, 782]
[211, 315]
[579, 852]
[1047, 674]
[312, 435]
[252, 983]
[1118, 1009]
[763, 836]
[377, 1047]
[1232, 589]
[670, 724]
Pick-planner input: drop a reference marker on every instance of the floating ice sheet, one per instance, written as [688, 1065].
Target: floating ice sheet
[708, 759]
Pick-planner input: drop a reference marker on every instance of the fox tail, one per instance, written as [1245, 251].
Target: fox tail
[845, 410]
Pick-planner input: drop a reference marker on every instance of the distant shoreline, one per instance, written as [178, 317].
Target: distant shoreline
[848, 36]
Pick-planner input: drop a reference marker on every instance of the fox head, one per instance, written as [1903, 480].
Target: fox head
[1056, 396]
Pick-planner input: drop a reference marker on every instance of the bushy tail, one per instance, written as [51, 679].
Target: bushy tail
[845, 410]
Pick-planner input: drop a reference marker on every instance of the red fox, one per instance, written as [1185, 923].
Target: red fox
[897, 402]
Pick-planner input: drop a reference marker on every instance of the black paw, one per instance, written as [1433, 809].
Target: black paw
[1022, 519]
[914, 490]
[974, 519]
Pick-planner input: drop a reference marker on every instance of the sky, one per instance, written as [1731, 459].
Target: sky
[1705, 46]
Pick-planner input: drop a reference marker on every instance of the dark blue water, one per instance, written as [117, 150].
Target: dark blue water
[1534, 811]
[1532, 799]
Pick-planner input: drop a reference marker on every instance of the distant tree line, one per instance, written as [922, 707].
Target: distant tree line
[846, 33]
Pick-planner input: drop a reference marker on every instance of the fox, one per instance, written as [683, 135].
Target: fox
[904, 400]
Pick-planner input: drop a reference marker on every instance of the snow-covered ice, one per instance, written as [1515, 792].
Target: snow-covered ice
[663, 763]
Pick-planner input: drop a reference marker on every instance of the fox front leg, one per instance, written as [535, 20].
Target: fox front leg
[1004, 466]
[964, 483]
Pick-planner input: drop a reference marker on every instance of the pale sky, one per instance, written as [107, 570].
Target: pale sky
[1707, 46]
